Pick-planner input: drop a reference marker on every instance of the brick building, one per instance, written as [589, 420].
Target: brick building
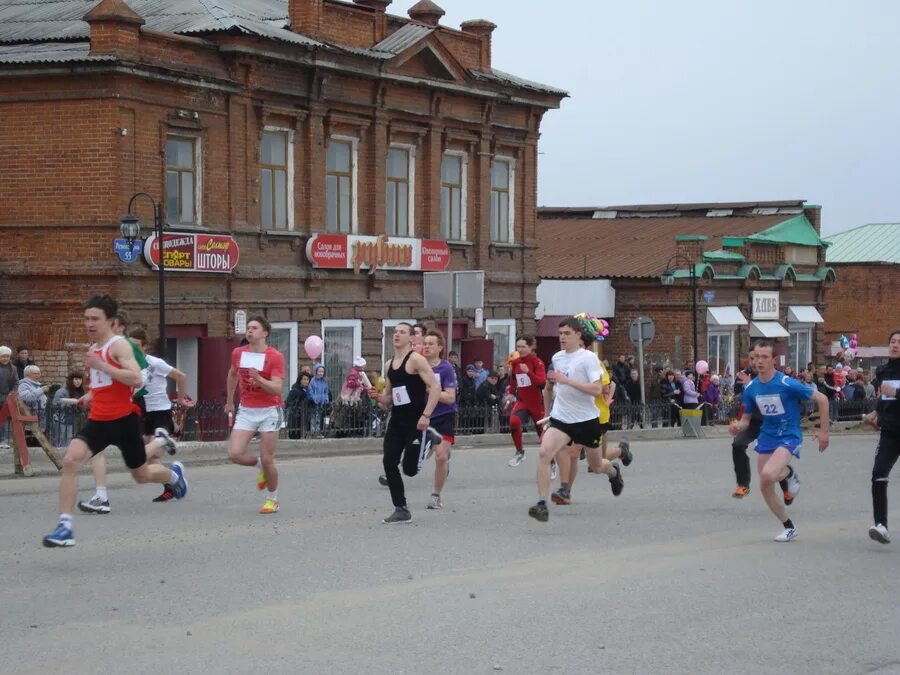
[759, 271]
[867, 262]
[281, 138]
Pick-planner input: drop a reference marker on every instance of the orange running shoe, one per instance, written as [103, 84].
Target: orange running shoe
[271, 506]
[741, 491]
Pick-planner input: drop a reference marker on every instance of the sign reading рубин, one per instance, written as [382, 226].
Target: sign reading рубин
[193, 252]
[357, 252]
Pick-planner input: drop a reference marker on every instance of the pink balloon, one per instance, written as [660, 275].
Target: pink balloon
[313, 347]
[702, 367]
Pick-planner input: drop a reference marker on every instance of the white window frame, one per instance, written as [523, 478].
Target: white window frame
[389, 323]
[356, 324]
[729, 364]
[290, 175]
[808, 328]
[509, 323]
[411, 186]
[198, 175]
[292, 357]
[511, 161]
[354, 178]
[464, 191]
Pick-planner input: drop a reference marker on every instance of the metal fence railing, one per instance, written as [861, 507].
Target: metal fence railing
[207, 421]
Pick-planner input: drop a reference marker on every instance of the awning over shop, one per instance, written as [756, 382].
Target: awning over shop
[767, 329]
[725, 316]
[549, 325]
[804, 314]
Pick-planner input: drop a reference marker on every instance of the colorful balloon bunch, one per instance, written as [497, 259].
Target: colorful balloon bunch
[596, 326]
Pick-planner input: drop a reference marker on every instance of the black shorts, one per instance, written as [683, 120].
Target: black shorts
[445, 425]
[124, 433]
[158, 418]
[588, 434]
[604, 427]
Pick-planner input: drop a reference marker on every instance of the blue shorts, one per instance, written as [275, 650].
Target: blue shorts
[792, 447]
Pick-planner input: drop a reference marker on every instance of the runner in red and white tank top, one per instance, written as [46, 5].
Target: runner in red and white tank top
[111, 398]
[113, 373]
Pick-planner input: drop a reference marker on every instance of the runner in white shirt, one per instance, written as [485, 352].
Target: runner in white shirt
[577, 379]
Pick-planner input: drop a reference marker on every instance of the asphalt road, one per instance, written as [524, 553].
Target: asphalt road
[674, 576]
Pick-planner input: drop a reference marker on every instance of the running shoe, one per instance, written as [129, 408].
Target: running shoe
[741, 491]
[63, 535]
[163, 437]
[261, 480]
[401, 514]
[793, 484]
[561, 497]
[517, 459]
[554, 470]
[616, 482]
[627, 456]
[271, 506]
[382, 480]
[95, 505]
[167, 494]
[788, 499]
[180, 487]
[435, 501]
[539, 512]
[880, 534]
[788, 534]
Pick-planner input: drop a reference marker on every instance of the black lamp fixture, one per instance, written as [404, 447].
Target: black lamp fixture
[667, 279]
[130, 228]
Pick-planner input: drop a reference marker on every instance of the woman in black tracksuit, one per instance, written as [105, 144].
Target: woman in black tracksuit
[887, 418]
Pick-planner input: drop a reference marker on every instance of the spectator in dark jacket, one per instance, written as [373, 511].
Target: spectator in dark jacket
[467, 391]
[9, 381]
[22, 360]
[489, 390]
[297, 406]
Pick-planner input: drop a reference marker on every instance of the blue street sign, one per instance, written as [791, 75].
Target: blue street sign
[126, 253]
[709, 296]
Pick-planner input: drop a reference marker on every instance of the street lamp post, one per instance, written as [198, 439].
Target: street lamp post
[667, 279]
[131, 230]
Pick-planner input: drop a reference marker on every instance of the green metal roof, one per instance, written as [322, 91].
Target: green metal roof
[796, 230]
[877, 242]
[723, 256]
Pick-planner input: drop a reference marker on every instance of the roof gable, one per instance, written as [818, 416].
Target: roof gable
[426, 56]
[797, 230]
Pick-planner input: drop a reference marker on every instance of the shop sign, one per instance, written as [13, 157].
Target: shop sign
[358, 252]
[193, 252]
[765, 305]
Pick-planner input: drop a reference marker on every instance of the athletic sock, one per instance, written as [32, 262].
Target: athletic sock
[272, 495]
[542, 500]
[173, 478]
[100, 493]
[788, 524]
[65, 519]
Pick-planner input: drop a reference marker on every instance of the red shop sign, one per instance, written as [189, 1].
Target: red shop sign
[193, 252]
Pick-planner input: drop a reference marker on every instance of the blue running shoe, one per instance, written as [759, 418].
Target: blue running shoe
[61, 536]
[180, 487]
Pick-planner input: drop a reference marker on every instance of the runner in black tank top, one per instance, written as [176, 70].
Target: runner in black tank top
[412, 396]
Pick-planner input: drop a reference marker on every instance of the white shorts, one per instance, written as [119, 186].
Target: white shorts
[259, 419]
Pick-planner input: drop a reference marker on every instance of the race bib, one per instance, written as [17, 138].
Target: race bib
[400, 396]
[522, 380]
[770, 405]
[100, 379]
[891, 383]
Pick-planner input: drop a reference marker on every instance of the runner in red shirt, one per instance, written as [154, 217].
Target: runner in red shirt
[259, 369]
[114, 374]
[527, 376]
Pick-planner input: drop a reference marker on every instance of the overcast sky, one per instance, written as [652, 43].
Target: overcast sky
[710, 100]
